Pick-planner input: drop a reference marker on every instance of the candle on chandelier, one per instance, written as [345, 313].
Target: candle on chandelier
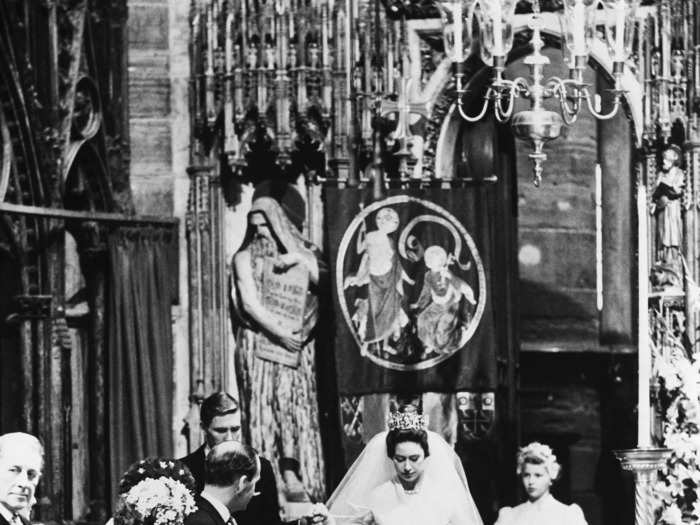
[459, 46]
[619, 31]
[578, 20]
[497, 28]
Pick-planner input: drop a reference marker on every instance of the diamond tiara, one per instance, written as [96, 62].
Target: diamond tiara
[406, 421]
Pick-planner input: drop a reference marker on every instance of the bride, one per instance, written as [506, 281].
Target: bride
[407, 476]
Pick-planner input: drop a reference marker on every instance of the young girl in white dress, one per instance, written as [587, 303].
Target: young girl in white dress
[538, 469]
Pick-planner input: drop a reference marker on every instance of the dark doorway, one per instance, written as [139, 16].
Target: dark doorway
[570, 267]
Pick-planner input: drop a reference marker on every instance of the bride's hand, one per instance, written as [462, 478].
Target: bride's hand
[319, 515]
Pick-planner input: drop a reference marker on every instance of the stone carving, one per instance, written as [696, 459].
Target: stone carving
[275, 309]
[667, 208]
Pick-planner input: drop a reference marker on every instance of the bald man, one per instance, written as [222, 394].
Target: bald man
[21, 463]
[231, 471]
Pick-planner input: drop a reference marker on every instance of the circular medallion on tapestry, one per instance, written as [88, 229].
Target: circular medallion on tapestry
[410, 283]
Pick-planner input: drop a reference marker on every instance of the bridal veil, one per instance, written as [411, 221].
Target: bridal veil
[444, 483]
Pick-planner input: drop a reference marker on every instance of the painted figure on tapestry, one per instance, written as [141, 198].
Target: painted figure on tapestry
[667, 207]
[442, 317]
[413, 290]
[276, 277]
[381, 315]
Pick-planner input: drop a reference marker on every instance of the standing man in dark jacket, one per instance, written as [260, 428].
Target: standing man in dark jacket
[221, 421]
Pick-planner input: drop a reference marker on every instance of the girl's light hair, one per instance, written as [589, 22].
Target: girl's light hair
[539, 454]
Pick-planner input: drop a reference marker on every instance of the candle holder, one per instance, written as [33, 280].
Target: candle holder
[645, 463]
[538, 125]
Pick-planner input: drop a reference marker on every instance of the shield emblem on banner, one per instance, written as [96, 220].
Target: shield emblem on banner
[351, 417]
[410, 282]
[476, 414]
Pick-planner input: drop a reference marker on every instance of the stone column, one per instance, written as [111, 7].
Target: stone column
[645, 464]
[691, 238]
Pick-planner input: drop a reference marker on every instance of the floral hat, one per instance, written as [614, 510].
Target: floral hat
[539, 453]
[155, 491]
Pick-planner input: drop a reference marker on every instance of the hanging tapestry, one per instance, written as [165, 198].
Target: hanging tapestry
[411, 287]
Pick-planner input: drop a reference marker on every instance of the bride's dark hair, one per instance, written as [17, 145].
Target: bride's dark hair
[396, 436]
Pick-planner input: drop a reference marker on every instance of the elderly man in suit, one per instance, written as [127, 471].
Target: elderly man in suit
[231, 471]
[220, 420]
[21, 463]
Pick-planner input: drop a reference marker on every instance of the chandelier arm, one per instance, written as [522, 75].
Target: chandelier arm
[523, 87]
[568, 113]
[596, 114]
[561, 86]
[564, 82]
[480, 115]
[570, 116]
[503, 116]
[500, 117]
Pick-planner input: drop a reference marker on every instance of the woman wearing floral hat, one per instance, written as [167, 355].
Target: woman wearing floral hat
[155, 491]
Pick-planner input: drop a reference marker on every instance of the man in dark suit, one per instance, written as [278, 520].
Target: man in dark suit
[21, 463]
[231, 471]
[220, 420]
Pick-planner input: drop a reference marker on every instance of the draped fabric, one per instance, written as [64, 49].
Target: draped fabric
[139, 344]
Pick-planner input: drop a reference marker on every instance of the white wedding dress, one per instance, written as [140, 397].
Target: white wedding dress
[371, 494]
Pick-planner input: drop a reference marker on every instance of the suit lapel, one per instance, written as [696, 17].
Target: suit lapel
[3, 520]
[207, 507]
[195, 462]
[201, 457]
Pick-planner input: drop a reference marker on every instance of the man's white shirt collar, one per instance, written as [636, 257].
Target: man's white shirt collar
[220, 507]
[5, 513]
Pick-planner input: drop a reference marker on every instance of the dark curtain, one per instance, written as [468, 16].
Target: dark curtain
[139, 343]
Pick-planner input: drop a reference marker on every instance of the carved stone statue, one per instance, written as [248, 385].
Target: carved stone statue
[666, 277]
[276, 275]
[667, 207]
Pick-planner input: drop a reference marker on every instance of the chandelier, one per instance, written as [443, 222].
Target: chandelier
[581, 20]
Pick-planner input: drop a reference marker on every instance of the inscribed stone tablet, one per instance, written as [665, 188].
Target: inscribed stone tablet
[284, 297]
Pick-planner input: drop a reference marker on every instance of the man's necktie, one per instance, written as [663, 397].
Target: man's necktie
[16, 520]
